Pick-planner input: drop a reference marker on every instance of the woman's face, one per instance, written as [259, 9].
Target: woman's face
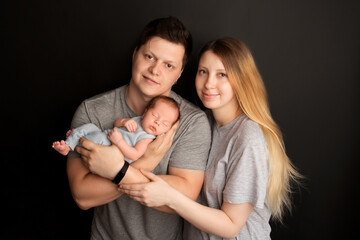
[212, 84]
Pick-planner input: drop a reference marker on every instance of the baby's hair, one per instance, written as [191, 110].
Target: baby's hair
[166, 99]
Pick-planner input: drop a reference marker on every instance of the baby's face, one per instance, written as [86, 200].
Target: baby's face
[160, 118]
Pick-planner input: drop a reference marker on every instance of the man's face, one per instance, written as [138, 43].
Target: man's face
[156, 66]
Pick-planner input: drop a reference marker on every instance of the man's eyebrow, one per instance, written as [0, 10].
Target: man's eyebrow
[173, 62]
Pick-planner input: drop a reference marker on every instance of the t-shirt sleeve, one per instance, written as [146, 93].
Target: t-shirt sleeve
[192, 148]
[80, 117]
[247, 173]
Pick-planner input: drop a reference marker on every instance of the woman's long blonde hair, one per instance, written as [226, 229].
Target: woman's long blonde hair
[251, 94]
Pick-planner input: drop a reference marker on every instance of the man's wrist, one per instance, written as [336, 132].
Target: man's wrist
[120, 175]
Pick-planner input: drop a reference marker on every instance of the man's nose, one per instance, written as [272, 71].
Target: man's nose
[155, 68]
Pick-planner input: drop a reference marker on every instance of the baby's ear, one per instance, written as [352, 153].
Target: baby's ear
[143, 115]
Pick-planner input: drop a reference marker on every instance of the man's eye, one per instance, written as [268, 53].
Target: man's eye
[149, 56]
[169, 66]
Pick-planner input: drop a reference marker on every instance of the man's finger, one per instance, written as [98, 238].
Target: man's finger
[169, 136]
[82, 151]
[85, 161]
[87, 144]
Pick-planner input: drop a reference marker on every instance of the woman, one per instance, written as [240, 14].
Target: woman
[248, 174]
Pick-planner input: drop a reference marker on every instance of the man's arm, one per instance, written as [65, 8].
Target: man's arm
[89, 190]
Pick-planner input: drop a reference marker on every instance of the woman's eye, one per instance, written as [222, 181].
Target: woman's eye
[222, 74]
[202, 71]
[149, 56]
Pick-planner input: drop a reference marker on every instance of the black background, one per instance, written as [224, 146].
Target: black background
[57, 53]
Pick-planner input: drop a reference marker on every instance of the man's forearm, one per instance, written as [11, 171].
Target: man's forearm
[89, 190]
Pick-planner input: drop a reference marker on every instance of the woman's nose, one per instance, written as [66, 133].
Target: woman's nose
[210, 82]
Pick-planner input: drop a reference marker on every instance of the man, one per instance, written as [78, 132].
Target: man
[158, 61]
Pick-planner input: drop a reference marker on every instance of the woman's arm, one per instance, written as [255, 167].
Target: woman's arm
[226, 222]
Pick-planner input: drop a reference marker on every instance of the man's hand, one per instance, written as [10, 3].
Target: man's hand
[105, 161]
[162, 143]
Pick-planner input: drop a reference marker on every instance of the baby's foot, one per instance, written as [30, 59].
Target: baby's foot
[61, 147]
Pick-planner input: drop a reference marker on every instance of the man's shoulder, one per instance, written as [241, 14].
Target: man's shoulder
[193, 120]
[187, 107]
[105, 97]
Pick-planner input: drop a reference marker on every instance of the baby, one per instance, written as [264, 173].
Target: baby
[130, 135]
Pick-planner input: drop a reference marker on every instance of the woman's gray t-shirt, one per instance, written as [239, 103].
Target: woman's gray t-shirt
[237, 172]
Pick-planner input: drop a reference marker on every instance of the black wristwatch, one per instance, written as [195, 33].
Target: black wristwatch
[121, 173]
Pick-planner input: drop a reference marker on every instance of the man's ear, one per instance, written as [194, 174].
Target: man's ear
[178, 77]
[180, 74]
[134, 53]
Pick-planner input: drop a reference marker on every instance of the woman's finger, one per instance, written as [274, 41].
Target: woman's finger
[152, 177]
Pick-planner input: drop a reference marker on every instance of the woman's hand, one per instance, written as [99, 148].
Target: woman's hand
[156, 193]
[105, 161]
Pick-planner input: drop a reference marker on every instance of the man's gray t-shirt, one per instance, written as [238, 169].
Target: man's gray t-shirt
[237, 172]
[125, 218]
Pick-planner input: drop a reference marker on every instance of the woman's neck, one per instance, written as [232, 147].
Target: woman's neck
[224, 116]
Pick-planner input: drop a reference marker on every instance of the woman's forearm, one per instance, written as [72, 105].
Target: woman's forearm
[219, 222]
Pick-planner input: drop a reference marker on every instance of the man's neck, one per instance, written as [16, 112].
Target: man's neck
[136, 100]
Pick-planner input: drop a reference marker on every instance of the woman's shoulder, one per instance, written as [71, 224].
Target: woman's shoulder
[249, 130]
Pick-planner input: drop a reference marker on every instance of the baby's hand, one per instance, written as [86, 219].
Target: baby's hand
[130, 125]
[114, 136]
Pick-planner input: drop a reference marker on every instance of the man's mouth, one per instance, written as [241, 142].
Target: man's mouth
[150, 80]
